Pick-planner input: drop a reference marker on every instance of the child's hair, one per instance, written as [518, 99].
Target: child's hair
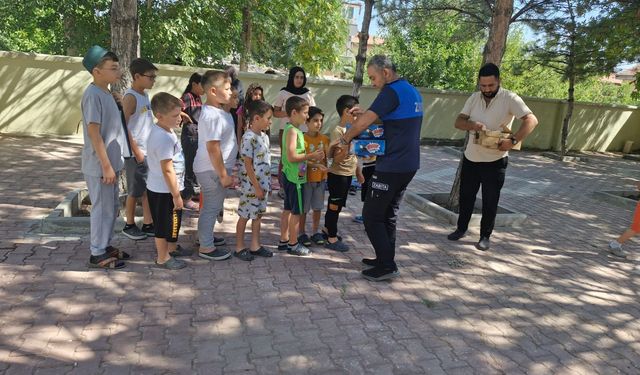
[195, 78]
[109, 56]
[141, 66]
[259, 108]
[315, 111]
[345, 102]
[248, 98]
[163, 103]
[214, 78]
[295, 103]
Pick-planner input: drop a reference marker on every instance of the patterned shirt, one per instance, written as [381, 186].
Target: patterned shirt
[256, 147]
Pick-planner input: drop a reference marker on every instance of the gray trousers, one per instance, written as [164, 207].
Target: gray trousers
[104, 210]
[213, 195]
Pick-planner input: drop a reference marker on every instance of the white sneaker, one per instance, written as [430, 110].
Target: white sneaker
[616, 249]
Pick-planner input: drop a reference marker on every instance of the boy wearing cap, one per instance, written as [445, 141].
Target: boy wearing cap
[102, 160]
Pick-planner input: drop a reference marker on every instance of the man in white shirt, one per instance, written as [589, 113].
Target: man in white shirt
[491, 108]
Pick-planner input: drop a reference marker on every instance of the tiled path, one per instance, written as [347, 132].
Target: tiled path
[547, 299]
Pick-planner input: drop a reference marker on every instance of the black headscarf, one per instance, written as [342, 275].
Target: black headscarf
[290, 87]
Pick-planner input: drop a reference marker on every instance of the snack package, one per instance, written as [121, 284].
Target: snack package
[374, 131]
[367, 147]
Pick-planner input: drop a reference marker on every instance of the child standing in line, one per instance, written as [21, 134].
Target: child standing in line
[102, 155]
[294, 171]
[166, 180]
[255, 175]
[216, 155]
[341, 172]
[192, 105]
[316, 178]
[615, 247]
[137, 114]
[254, 92]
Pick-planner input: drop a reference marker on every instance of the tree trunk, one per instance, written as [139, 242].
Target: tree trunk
[245, 53]
[68, 21]
[363, 39]
[493, 52]
[570, 102]
[498, 32]
[125, 38]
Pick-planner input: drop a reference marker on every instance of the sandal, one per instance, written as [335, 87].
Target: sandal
[172, 264]
[262, 252]
[117, 253]
[181, 252]
[191, 205]
[244, 254]
[106, 262]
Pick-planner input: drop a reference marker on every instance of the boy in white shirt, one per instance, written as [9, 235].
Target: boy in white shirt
[165, 180]
[216, 155]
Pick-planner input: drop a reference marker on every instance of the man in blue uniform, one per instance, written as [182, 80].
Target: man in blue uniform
[399, 106]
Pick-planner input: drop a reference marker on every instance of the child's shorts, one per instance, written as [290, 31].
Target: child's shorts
[291, 196]
[136, 177]
[166, 220]
[250, 207]
[635, 225]
[313, 196]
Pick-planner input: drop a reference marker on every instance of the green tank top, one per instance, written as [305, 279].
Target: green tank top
[294, 172]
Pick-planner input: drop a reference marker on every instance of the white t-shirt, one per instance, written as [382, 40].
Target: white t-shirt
[141, 121]
[281, 100]
[498, 115]
[163, 145]
[215, 124]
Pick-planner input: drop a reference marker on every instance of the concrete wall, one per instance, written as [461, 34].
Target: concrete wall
[40, 94]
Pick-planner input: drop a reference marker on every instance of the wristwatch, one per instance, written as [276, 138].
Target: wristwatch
[514, 141]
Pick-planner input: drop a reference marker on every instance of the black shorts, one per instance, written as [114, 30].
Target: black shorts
[166, 220]
[338, 188]
[291, 201]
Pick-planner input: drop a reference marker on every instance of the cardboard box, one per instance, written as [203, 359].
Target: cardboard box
[367, 147]
[374, 131]
[490, 139]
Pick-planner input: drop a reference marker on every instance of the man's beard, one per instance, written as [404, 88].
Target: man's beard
[491, 94]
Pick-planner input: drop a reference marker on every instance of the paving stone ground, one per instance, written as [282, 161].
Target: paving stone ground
[547, 298]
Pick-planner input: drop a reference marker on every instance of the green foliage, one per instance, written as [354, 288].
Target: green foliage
[432, 53]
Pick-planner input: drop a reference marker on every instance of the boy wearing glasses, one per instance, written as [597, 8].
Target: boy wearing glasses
[102, 155]
[139, 119]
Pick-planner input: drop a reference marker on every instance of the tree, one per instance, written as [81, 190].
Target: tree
[363, 40]
[125, 37]
[245, 49]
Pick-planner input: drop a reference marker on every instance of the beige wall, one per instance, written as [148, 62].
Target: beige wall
[40, 94]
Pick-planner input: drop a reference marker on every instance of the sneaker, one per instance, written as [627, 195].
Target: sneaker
[379, 273]
[299, 249]
[359, 219]
[181, 252]
[148, 229]
[337, 246]
[304, 239]
[456, 235]
[219, 241]
[244, 254]
[133, 232]
[371, 262]
[616, 249]
[172, 264]
[217, 254]
[353, 190]
[318, 239]
[484, 244]
[283, 245]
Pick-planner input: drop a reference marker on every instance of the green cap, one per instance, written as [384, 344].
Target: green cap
[93, 56]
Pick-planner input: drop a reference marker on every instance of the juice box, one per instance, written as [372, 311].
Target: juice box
[367, 147]
[374, 131]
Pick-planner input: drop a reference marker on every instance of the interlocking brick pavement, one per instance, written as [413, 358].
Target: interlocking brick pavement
[546, 299]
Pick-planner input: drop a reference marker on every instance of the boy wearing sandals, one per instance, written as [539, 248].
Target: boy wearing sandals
[255, 178]
[102, 160]
[165, 181]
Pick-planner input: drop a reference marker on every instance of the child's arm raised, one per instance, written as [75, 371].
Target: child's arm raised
[251, 173]
[129, 104]
[108, 174]
[215, 155]
[170, 178]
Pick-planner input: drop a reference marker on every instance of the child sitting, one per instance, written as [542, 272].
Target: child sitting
[255, 175]
[316, 178]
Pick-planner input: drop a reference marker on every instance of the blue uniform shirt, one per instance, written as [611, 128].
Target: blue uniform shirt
[399, 106]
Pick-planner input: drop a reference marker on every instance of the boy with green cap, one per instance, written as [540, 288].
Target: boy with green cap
[102, 161]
